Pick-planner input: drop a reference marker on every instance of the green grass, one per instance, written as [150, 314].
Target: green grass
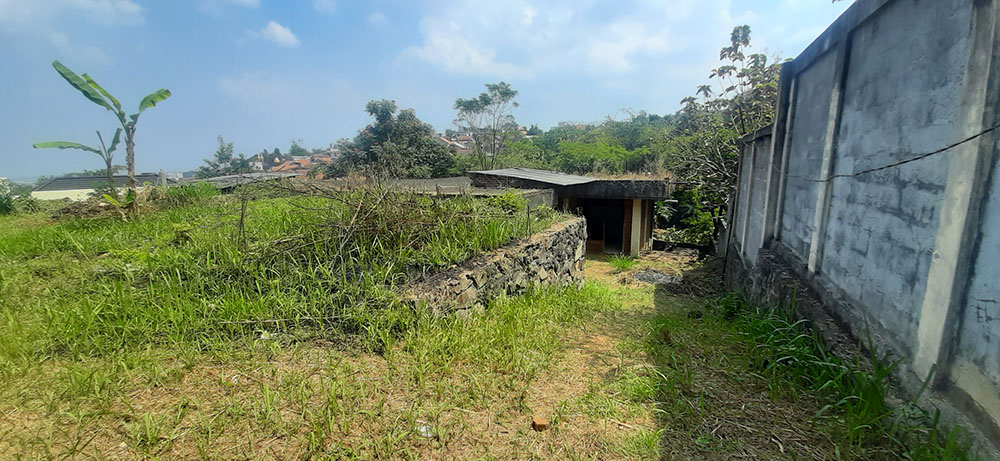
[189, 278]
[703, 370]
[792, 358]
[96, 310]
[622, 262]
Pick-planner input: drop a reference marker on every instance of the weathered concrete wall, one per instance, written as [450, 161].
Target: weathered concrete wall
[809, 126]
[749, 214]
[552, 257]
[739, 219]
[878, 192]
[758, 188]
[901, 98]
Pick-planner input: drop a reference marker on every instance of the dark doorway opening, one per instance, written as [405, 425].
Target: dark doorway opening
[605, 221]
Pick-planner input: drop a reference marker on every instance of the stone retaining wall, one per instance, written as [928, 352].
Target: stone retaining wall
[552, 257]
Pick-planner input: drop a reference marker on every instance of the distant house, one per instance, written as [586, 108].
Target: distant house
[301, 164]
[81, 187]
[257, 163]
[291, 166]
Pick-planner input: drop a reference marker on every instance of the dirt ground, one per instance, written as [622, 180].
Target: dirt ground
[647, 378]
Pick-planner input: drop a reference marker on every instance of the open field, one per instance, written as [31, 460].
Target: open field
[177, 336]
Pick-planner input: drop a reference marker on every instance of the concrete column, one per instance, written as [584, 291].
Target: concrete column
[749, 199]
[636, 233]
[782, 138]
[822, 214]
[969, 168]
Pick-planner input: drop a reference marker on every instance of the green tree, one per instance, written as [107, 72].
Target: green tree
[397, 143]
[18, 189]
[98, 95]
[534, 130]
[105, 152]
[525, 154]
[598, 157]
[225, 162]
[702, 146]
[6, 197]
[297, 151]
[487, 117]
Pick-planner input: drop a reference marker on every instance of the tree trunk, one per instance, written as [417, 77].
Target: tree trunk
[107, 157]
[111, 180]
[133, 206]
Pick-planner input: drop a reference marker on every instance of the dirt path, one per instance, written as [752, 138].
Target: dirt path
[661, 377]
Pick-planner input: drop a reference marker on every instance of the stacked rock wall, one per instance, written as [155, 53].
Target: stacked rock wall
[552, 257]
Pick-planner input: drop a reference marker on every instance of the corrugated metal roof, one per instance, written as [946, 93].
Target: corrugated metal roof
[548, 177]
[92, 182]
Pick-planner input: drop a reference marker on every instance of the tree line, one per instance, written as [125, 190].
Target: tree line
[698, 145]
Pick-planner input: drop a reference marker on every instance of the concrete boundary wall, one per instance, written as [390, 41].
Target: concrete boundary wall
[552, 257]
[874, 193]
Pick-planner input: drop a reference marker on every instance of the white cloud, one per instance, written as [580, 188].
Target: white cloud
[448, 46]
[82, 52]
[110, 12]
[36, 21]
[326, 6]
[16, 15]
[377, 19]
[528, 38]
[616, 46]
[279, 34]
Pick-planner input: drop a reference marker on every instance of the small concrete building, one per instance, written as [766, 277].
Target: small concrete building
[81, 187]
[619, 212]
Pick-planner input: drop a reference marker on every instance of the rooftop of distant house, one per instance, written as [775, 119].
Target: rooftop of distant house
[93, 182]
[301, 163]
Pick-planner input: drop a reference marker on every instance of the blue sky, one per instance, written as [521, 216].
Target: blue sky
[263, 73]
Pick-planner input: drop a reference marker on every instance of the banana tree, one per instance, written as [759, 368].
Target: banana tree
[106, 153]
[92, 91]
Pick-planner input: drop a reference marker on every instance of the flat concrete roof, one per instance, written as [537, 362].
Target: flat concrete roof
[530, 174]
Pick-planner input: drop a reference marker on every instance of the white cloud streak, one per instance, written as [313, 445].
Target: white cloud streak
[16, 15]
[37, 21]
[279, 34]
[532, 38]
[377, 19]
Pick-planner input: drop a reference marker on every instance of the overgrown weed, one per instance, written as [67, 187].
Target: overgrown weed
[621, 262]
[792, 358]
